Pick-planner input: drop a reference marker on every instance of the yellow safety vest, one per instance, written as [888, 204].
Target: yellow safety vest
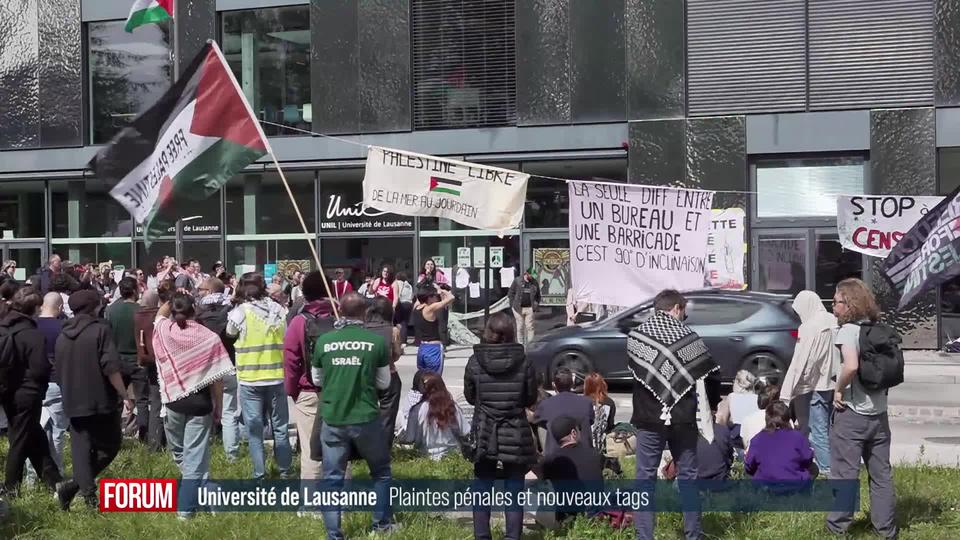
[259, 351]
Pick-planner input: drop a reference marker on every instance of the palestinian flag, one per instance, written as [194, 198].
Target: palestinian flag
[445, 185]
[185, 147]
[148, 11]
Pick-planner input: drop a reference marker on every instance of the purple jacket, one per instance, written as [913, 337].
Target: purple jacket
[296, 367]
[779, 456]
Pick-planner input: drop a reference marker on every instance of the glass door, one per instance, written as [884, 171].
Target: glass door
[787, 261]
[26, 259]
[549, 256]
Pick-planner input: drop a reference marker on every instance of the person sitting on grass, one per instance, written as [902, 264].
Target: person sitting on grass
[436, 424]
[780, 453]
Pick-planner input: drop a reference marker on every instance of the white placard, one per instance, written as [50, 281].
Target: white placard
[463, 278]
[873, 224]
[726, 249]
[630, 242]
[439, 260]
[479, 257]
[496, 257]
[506, 277]
[474, 290]
[463, 257]
[420, 185]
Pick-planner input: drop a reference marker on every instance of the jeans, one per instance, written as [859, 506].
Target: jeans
[188, 438]
[304, 415]
[821, 407]
[368, 440]
[486, 470]
[56, 425]
[855, 437]
[94, 442]
[146, 388]
[259, 403]
[682, 440]
[524, 320]
[230, 418]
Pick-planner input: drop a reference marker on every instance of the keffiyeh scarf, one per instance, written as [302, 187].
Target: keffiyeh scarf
[670, 359]
[188, 359]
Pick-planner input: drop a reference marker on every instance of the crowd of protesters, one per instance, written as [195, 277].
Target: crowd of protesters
[185, 354]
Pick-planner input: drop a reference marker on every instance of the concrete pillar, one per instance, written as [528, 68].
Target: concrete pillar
[76, 214]
[251, 189]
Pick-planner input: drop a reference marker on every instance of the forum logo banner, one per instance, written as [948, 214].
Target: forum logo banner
[928, 255]
[420, 185]
[630, 242]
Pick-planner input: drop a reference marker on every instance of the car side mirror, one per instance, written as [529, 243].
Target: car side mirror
[627, 324]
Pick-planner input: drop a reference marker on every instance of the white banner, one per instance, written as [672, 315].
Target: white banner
[726, 249]
[873, 224]
[630, 242]
[420, 185]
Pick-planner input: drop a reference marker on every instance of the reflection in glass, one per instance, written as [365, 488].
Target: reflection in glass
[95, 253]
[781, 260]
[361, 256]
[257, 203]
[205, 251]
[21, 210]
[806, 187]
[85, 209]
[835, 264]
[269, 52]
[548, 200]
[128, 73]
[30, 260]
[254, 254]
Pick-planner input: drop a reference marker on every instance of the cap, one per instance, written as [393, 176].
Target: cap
[561, 426]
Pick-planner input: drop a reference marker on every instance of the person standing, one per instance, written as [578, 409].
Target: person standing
[404, 305]
[386, 286]
[430, 274]
[89, 369]
[861, 427]
[212, 312]
[27, 374]
[657, 348]
[9, 270]
[120, 315]
[524, 297]
[186, 281]
[810, 372]
[53, 268]
[143, 319]
[501, 384]
[50, 324]
[378, 320]
[431, 301]
[340, 284]
[314, 320]
[191, 363]
[258, 324]
[351, 364]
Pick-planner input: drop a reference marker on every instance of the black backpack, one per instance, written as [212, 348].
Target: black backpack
[881, 360]
[313, 328]
[8, 362]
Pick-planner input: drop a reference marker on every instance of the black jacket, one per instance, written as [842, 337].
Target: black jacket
[86, 356]
[32, 367]
[45, 276]
[500, 383]
[214, 318]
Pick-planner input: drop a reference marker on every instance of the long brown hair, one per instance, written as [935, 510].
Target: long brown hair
[443, 410]
[861, 304]
[595, 387]
[778, 416]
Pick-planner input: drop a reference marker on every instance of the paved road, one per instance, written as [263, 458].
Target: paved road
[925, 409]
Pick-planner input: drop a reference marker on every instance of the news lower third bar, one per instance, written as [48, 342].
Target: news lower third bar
[168, 495]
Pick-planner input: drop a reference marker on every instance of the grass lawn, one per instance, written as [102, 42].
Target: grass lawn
[927, 508]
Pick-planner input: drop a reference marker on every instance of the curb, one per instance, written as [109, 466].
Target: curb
[922, 412]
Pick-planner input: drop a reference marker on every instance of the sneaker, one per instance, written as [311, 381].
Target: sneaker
[380, 530]
[65, 492]
[185, 516]
[312, 514]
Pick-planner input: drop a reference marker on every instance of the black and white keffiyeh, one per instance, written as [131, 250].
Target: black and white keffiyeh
[668, 358]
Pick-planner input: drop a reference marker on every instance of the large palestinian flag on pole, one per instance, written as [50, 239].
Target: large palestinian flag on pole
[148, 11]
[185, 147]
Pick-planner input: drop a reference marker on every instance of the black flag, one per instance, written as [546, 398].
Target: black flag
[929, 253]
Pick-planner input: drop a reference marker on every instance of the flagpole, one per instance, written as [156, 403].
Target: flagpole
[310, 240]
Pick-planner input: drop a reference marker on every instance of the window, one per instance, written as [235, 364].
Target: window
[806, 187]
[706, 312]
[269, 53]
[85, 209]
[464, 63]
[548, 200]
[341, 206]
[257, 203]
[361, 256]
[128, 73]
[22, 210]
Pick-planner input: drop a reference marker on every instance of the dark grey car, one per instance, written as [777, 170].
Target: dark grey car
[743, 330]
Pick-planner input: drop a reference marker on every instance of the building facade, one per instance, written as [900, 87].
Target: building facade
[779, 105]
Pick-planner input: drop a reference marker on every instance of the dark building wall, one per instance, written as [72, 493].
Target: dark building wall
[196, 23]
[654, 58]
[360, 66]
[946, 52]
[40, 74]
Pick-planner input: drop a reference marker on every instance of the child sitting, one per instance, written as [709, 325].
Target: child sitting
[780, 453]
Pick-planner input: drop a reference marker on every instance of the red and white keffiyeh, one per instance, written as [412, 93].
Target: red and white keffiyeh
[188, 359]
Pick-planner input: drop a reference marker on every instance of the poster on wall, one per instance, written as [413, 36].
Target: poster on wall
[479, 256]
[873, 225]
[289, 267]
[630, 242]
[269, 270]
[782, 264]
[439, 260]
[463, 257]
[726, 249]
[552, 269]
[496, 257]
[420, 185]
[342, 210]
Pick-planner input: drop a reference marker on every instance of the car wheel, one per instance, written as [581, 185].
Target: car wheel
[766, 367]
[575, 361]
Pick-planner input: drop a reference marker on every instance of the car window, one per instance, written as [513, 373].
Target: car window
[641, 315]
[715, 311]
